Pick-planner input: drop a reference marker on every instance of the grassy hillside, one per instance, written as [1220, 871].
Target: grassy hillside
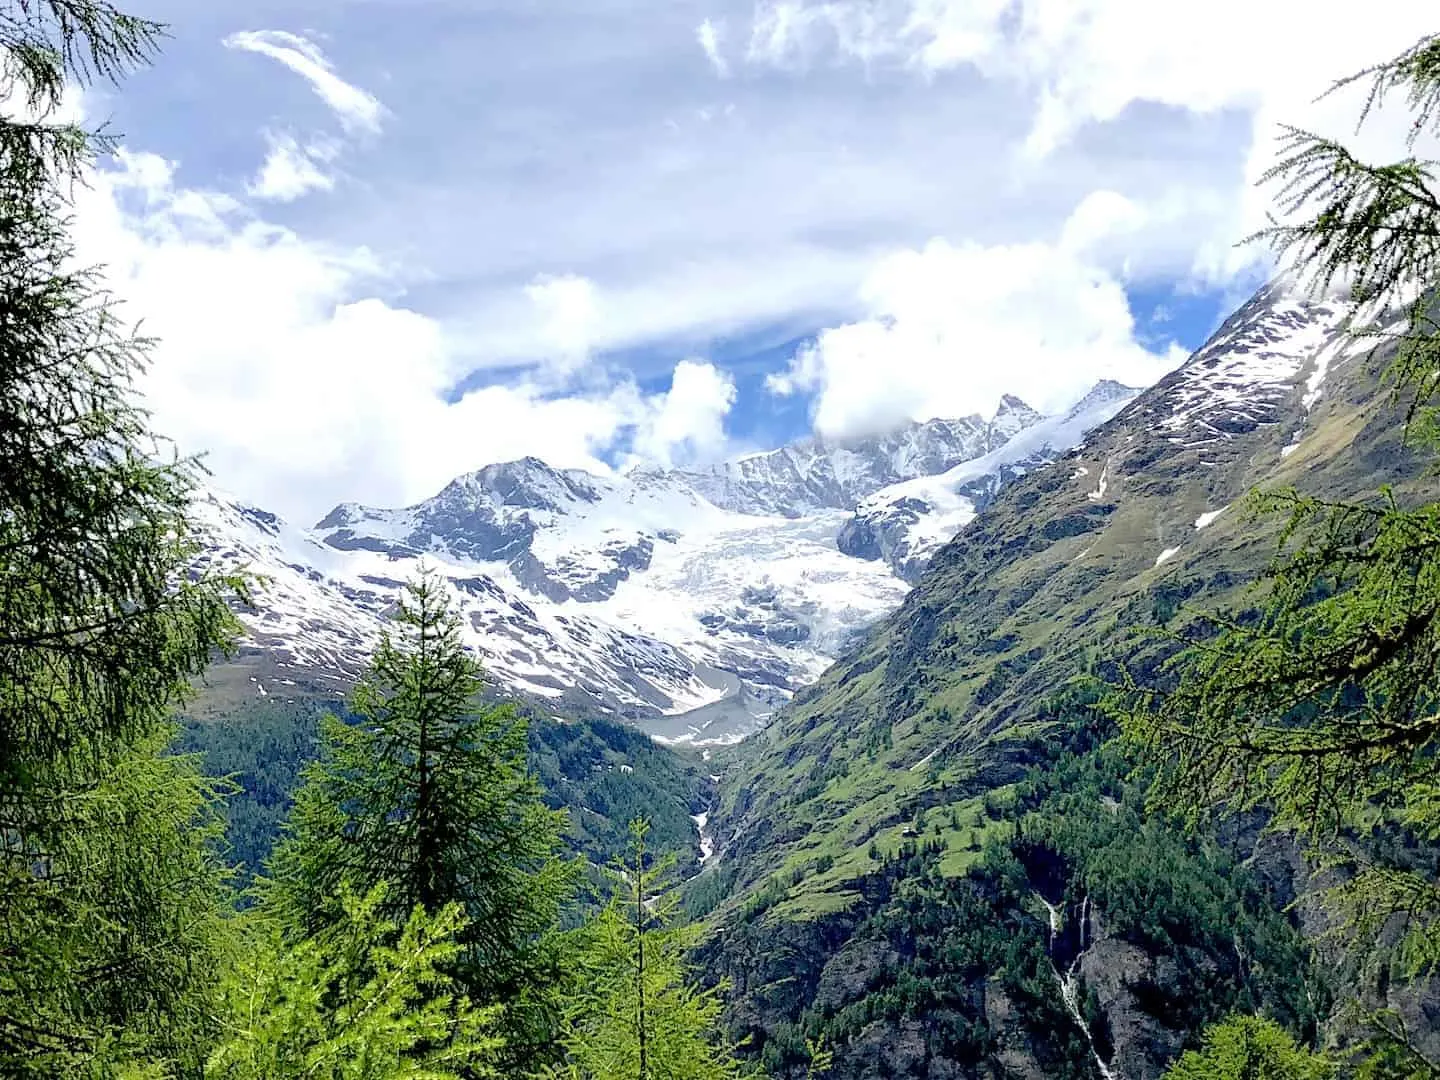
[909, 774]
[949, 699]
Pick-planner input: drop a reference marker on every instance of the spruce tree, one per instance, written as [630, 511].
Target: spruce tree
[428, 791]
[634, 1014]
[111, 923]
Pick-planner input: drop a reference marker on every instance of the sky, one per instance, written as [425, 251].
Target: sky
[385, 242]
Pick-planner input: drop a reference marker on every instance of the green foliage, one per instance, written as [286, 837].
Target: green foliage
[602, 772]
[924, 952]
[1323, 706]
[98, 629]
[113, 929]
[47, 45]
[261, 749]
[1250, 1048]
[634, 1013]
[109, 900]
[364, 999]
[428, 792]
[606, 774]
[1175, 894]
[1389, 1051]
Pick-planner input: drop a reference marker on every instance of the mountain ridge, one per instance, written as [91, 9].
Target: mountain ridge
[639, 592]
[907, 778]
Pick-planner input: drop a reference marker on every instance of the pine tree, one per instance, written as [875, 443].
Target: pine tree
[428, 792]
[364, 999]
[634, 1014]
[1250, 1048]
[110, 904]
[1324, 707]
[48, 46]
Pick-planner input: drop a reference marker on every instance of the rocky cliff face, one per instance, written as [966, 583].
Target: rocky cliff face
[905, 524]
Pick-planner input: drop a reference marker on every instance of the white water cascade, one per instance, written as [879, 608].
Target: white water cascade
[1069, 982]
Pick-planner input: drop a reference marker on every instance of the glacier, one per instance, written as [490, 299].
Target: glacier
[692, 603]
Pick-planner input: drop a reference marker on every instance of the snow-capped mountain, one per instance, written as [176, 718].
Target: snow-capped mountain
[905, 524]
[821, 474]
[693, 602]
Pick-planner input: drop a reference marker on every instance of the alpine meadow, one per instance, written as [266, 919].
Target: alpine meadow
[809, 608]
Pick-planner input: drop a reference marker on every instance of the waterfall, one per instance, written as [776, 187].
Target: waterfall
[1069, 983]
[707, 842]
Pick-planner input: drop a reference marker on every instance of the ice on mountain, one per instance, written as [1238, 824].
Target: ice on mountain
[907, 523]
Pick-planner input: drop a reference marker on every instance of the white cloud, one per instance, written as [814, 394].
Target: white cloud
[568, 307]
[1093, 59]
[708, 34]
[597, 151]
[1101, 216]
[953, 327]
[925, 34]
[356, 108]
[289, 171]
[687, 423]
[289, 363]
[1088, 61]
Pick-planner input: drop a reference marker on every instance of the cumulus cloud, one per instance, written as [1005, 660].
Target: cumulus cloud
[980, 121]
[291, 365]
[356, 109]
[289, 171]
[952, 327]
[687, 422]
[708, 34]
[569, 311]
[1088, 61]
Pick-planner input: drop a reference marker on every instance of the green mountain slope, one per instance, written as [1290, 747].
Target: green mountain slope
[602, 772]
[922, 744]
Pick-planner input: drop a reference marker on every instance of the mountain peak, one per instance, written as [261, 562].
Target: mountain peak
[1010, 403]
[1103, 393]
[525, 483]
[1012, 416]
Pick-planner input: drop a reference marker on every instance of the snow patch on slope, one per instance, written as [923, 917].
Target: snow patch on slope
[1246, 373]
[1209, 516]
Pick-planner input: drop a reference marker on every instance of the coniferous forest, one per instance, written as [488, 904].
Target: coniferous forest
[435, 882]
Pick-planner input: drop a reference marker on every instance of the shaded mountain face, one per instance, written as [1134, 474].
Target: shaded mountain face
[917, 738]
[692, 602]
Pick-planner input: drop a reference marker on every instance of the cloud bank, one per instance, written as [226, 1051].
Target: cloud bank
[952, 328]
[950, 199]
[294, 365]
